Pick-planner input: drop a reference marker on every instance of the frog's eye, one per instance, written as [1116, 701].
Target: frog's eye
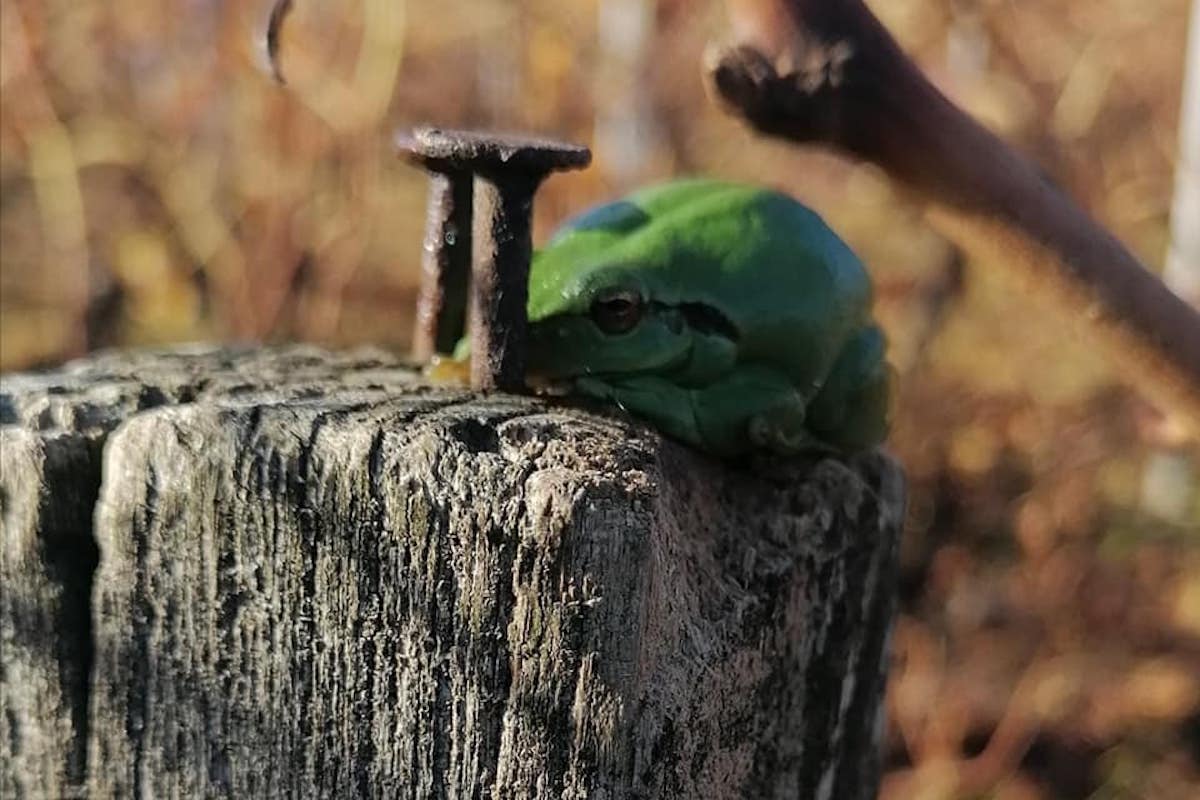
[617, 310]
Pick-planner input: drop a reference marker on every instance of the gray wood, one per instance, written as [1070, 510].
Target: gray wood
[319, 577]
[47, 488]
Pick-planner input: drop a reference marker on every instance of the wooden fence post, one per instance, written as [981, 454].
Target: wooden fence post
[319, 577]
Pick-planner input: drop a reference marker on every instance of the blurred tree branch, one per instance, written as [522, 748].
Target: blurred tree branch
[827, 71]
[361, 101]
[279, 13]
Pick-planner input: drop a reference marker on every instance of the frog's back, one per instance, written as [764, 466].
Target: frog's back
[678, 229]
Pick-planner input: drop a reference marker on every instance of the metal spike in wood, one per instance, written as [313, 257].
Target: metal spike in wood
[445, 256]
[506, 171]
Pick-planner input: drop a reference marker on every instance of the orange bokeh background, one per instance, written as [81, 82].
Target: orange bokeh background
[157, 187]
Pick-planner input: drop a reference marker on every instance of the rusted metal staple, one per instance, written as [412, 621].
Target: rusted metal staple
[502, 172]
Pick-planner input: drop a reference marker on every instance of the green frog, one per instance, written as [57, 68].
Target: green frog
[729, 316]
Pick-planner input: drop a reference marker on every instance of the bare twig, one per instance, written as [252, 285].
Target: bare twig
[827, 71]
[1182, 272]
[279, 13]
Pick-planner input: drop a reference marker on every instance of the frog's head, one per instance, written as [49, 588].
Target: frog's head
[684, 280]
[593, 300]
[603, 296]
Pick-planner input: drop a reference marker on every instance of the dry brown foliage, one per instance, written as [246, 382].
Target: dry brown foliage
[157, 185]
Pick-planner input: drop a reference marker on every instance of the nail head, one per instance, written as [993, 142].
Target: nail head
[445, 150]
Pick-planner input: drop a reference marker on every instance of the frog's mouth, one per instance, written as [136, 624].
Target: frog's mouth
[544, 379]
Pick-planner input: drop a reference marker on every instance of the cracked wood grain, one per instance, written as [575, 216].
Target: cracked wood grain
[318, 577]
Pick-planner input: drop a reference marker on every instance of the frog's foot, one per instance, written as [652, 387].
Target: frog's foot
[753, 408]
[444, 371]
[852, 409]
[781, 430]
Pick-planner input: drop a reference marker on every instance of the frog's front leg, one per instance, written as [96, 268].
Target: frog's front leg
[749, 408]
[753, 408]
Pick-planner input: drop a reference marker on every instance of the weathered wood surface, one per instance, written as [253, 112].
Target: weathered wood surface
[318, 577]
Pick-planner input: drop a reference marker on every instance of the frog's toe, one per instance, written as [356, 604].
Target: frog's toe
[780, 433]
[760, 431]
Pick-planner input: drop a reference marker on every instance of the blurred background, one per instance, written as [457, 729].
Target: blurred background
[157, 187]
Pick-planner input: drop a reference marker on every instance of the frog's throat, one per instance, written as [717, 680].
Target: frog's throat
[542, 374]
[615, 377]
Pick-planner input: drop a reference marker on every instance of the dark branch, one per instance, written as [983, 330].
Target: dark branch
[826, 71]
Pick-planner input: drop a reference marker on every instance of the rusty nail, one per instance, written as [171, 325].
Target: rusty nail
[507, 171]
[446, 257]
